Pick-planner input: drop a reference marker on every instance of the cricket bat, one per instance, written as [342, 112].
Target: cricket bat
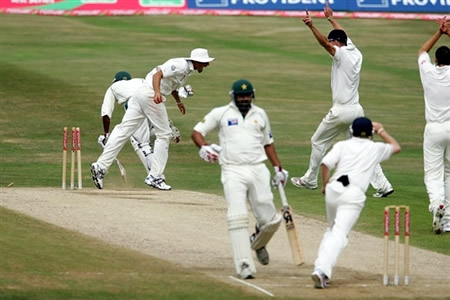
[123, 172]
[291, 229]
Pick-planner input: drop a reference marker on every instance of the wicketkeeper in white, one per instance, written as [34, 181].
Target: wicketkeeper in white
[148, 102]
[345, 75]
[354, 161]
[246, 142]
[436, 138]
[120, 91]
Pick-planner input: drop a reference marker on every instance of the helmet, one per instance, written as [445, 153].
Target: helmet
[122, 75]
[242, 86]
[362, 127]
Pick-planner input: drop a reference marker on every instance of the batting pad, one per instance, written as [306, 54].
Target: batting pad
[266, 232]
[144, 151]
[240, 242]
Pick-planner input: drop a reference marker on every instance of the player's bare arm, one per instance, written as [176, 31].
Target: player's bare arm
[444, 29]
[328, 12]
[272, 155]
[323, 41]
[157, 77]
[180, 104]
[106, 123]
[198, 139]
[387, 138]
[325, 177]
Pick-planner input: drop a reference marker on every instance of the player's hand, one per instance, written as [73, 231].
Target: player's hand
[444, 25]
[307, 19]
[328, 12]
[210, 153]
[377, 126]
[280, 176]
[102, 139]
[176, 137]
[158, 98]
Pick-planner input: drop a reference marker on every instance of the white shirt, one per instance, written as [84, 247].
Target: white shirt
[175, 74]
[242, 140]
[120, 91]
[436, 86]
[357, 158]
[345, 74]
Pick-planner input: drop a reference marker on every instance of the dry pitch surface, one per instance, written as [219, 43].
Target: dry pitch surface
[189, 229]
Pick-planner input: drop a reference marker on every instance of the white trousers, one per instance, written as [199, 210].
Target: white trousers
[343, 205]
[242, 183]
[142, 134]
[436, 160]
[252, 183]
[140, 107]
[338, 120]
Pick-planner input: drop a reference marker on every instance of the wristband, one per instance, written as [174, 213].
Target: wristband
[380, 131]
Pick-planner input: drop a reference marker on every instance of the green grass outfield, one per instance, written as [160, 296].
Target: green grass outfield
[54, 72]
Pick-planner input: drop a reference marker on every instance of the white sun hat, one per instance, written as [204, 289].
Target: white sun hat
[200, 55]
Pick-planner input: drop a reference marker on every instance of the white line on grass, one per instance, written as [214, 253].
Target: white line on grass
[252, 285]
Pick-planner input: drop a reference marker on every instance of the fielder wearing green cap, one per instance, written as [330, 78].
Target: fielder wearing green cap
[148, 105]
[120, 91]
[345, 76]
[246, 142]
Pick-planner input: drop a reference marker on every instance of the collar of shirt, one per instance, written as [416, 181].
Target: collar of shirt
[191, 66]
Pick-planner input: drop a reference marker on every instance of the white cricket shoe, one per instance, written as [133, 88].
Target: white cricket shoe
[447, 227]
[97, 175]
[383, 194]
[157, 182]
[298, 182]
[246, 272]
[438, 222]
[320, 279]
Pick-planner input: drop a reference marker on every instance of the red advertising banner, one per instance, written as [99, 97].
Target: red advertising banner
[181, 7]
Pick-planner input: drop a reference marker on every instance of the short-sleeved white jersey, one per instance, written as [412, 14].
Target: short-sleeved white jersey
[176, 72]
[357, 158]
[242, 139]
[345, 74]
[120, 91]
[436, 86]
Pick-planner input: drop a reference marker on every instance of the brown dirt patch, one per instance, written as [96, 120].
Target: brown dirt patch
[189, 229]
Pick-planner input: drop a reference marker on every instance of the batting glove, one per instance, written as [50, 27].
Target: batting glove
[102, 139]
[280, 176]
[176, 137]
[185, 91]
[210, 153]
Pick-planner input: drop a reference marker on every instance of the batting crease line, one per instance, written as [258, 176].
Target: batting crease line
[253, 286]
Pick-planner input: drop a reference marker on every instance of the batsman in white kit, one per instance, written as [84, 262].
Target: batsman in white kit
[120, 91]
[345, 76]
[354, 161]
[148, 102]
[246, 142]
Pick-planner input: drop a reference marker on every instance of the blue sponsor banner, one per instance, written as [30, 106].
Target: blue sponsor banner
[399, 6]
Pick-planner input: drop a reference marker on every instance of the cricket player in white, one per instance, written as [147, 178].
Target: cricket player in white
[436, 139]
[345, 75]
[148, 102]
[354, 161]
[246, 142]
[120, 91]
